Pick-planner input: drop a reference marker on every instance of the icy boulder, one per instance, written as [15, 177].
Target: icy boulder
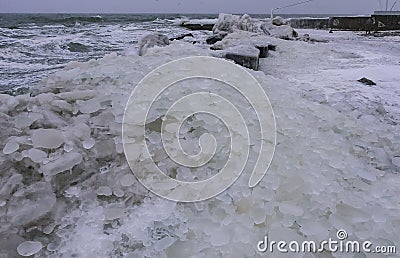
[245, 38]
[244, 55]
[199, 24]
[282, 32]
[149, 41]
[228, 23]
[278, 21]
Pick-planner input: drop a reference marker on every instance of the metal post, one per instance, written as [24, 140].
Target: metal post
[272, 12]
[303, 2]
[391, 9]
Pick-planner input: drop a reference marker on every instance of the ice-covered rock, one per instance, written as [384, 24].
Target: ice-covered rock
[367, 81]
[228, 23]
[215, 38]
[244, 55]
[263, 48]
[180, 37]
[247, 40]
[278, 21]
[282, 32]
[149, 41]
[199, 24]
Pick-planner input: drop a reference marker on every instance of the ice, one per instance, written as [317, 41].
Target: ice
[7, 103]
[11, 184]
[278, 21]
[290, 208]
[104, 190]
[72, 191]
[228, 23]
[11, 147]
[65, 162]
[112, 213]
[68, 147]
[164, 243]
[335, 166]
[89, 143]
[47, 138]
[30, 204]
[219, 237]
[118, 192]
[89, 106]
[29, 248]
[61, 105]
[197, 21]
[396, 161]
[26, 119]
[35, 155]
[127, 180]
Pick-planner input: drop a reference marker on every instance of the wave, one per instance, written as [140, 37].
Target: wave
[17, 20]
[80, 19]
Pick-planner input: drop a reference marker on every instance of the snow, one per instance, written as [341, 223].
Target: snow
[336, 165]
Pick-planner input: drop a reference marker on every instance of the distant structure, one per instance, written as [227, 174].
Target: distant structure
[384, 20]
[387, 13]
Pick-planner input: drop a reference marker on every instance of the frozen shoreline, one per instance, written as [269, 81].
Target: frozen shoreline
[336, 164]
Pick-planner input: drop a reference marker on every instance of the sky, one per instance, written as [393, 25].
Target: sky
[189, 6]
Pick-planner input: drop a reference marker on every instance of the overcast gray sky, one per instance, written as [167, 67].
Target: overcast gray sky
[188, 6]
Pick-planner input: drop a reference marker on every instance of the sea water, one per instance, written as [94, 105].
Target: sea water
[32, 46]
[35, 45]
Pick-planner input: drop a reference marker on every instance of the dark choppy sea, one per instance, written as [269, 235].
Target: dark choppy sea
[35, 45]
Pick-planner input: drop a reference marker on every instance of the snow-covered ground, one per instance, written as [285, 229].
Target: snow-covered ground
[336, 165]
